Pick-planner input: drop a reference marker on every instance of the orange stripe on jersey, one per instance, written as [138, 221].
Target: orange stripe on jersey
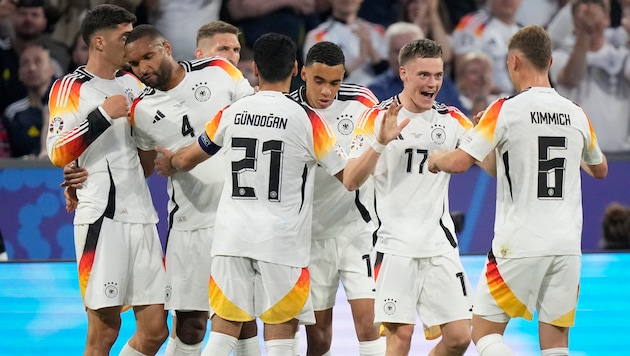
[85, 269]
[488, 122]
[503, 295]
[320, 36]
[213, 124]
[460, 117]
[323, 138]
[223, 306]
[464, 21]
[479, 30]
[291, 304]
[592, 133]
[64, 101]
[365, 124]
[230, 69]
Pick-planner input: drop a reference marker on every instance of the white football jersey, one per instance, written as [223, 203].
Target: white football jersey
[174, 119]
[334, 207]
[80, 130]
[413, 217]
[272, 145]
[540, 138]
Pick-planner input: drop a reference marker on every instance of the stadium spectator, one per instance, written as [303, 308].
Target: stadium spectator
[538, 12]
[428, 15]
[78, 53]
[29, 24]
[475, 83]
[26, 120]
[180, 20]
[615, 227]
[363, 43]
[488, 30]
[596, 74]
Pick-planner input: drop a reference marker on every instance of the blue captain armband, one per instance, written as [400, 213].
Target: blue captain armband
[207, 145]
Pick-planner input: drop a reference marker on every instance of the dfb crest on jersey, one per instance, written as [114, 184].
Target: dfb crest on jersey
[438, 135]
[357, 142]
[111, 289]
[56, 125]
[345, 126]
[390, 306]
[202, 92]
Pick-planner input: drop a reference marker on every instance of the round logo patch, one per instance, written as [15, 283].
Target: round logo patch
[202, 92]
[111, 290]
[438, 135]
[389, 308]
[345, 126]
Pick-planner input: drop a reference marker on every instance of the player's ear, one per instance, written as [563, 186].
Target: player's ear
[295, 68]
[167, 48]
[255, 69]
[198, 53]
[303, 73]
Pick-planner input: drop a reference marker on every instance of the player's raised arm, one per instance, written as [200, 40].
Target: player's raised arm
[359, 169]
[69, 134]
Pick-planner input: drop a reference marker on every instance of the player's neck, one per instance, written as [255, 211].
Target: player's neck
[101, 68]
[534, 79]
[283, 86]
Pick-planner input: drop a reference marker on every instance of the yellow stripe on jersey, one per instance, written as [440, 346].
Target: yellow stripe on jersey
[488, 122]
[592, 133]
[224, 307]
[503, 295]
[228, 67]
[291, 304]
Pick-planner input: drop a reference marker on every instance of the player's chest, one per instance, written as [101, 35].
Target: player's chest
[427, 135]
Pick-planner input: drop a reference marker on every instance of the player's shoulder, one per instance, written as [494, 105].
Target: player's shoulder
[218, 64]
[79, 76]
[358, 93]
[452, 112]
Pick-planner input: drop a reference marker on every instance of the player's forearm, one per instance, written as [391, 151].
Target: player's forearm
[359, 169]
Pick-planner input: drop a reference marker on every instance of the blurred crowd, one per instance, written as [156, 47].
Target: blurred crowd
[39, 42]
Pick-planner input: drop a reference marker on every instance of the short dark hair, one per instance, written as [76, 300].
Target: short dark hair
[105, 16]
[534, 42]
[274, 55]
[325, 52]
[616, 227]
[215, 27]
[142, 31]
[420, 48]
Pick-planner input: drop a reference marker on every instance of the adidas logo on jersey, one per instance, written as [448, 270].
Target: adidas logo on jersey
[158, 116]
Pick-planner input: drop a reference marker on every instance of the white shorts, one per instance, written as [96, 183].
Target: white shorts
[515, 287]
[119, 264]
[188, 265]
[436, 288]
[242, 289]
[352, 263]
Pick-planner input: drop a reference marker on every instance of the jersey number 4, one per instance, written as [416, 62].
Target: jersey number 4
[273, 148]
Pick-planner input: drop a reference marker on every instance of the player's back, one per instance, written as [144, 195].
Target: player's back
[541, 138]
[272, 145]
